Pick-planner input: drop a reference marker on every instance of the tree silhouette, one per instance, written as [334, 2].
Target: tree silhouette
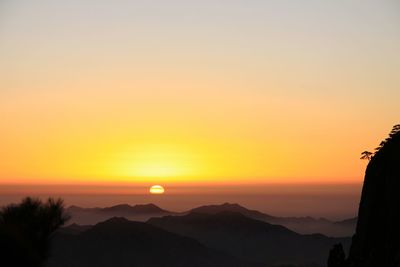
[26, 230]
[366, 155]
[395, 131]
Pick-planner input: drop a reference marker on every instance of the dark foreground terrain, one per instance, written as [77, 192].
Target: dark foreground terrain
[119, 242]
[195, 239]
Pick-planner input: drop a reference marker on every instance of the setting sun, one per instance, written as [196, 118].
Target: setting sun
[157, 189]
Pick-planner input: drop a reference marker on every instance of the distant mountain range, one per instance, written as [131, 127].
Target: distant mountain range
[302, 225]
[195, 239]
[90, 216]
[123, 243]
[250, 239]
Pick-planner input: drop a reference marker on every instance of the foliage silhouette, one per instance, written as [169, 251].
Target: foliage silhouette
[26, 230]
[393, 133]
[366, 155]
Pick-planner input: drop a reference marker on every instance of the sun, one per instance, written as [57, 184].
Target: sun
[157, 189]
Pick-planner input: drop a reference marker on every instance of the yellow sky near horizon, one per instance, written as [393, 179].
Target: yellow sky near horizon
[194, 93]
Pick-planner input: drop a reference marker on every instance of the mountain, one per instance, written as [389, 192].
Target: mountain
[123, 243]
[74, 229]
[352, 222]
[95, 215]
[250, 239]
[213, 209]
[137, 209]
[376, 241]
[303, 225]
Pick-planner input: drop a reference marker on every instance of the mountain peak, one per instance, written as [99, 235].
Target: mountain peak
[119, 207]
[219, 207]
[232, 207]
[116, 220]
[150, 207]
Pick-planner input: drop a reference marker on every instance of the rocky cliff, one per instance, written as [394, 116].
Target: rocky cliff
[377, 239]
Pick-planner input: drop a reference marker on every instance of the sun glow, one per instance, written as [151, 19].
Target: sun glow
[144, 163]
[140, 100]
[157, 189]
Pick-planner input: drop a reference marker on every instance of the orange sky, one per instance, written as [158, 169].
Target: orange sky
[194, 93]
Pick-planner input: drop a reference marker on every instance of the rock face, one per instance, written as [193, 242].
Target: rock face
[377, 238]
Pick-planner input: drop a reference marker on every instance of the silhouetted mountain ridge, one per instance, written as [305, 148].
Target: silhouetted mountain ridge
[74, 228]
[139, 208]
[303, 225]
[120, 242]
[232, 207]
[139, 212]
[351, 221]
[250, 239]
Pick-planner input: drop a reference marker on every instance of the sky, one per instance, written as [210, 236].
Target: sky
[195, 92]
